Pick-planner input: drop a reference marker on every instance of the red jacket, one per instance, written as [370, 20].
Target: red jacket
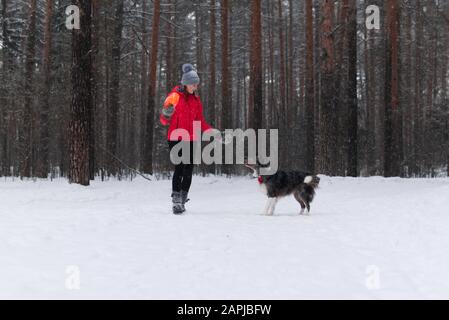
[188, 108]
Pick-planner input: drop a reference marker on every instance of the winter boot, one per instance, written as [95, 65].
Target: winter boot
[178, 206]
[184, 198]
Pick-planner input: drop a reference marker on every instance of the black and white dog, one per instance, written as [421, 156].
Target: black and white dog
[283, 183]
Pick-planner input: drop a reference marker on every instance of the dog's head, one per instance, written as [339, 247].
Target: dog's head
[255, 167]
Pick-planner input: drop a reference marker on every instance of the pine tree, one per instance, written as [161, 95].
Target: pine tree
[310, 89]
[27, 128]
[43, 155]
[148, 157]
[81, 106]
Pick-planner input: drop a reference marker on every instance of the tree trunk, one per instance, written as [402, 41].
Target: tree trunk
[43, 167]
[4, 92]
[96, 76]
[148, 165]
[444, 85]
[26, 135]
[327, 137]
[271, 102]
[170, 65]
[352, 91]
[310, 89]
[81, 106]
[407, 91]
[291, 91]
[393, 125]
[199, 45]
[144, 77]
[282, 84]
[213, 75]
[417, 127]
[113, 114]
[255, 97]
[226, 99]
[226, 91]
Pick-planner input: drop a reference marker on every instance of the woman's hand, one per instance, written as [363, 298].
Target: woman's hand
[168, 111]
[169, 108]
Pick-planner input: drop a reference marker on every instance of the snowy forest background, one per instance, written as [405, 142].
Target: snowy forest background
[346, 100]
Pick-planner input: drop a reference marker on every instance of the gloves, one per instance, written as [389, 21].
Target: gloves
[169, 108]
[168, 111]
[166, 114]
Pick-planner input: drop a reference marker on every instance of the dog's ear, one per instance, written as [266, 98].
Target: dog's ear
[246, 164]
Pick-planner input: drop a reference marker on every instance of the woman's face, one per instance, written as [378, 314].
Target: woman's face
[191, 88]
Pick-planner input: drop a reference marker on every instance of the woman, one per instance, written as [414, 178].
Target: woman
[181, 108]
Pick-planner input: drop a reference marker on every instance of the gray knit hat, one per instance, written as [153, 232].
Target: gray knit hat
[189, 75]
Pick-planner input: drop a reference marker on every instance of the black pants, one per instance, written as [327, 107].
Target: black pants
[182, 178]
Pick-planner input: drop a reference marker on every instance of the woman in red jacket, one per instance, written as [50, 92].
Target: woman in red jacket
[181, 108]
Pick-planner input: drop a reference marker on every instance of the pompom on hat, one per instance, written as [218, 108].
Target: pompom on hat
[189, 75]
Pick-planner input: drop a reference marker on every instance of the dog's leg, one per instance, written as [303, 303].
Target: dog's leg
[273, 206]
[301, 202]
[303, 207]
[267, 206]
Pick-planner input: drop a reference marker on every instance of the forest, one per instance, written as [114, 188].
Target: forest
[355, 88]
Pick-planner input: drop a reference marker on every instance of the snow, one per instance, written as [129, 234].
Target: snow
[366, 238]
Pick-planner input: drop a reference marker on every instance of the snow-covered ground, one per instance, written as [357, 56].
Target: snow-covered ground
[368, 238]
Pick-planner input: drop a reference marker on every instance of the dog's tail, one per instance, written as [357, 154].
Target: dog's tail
[312, 181]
